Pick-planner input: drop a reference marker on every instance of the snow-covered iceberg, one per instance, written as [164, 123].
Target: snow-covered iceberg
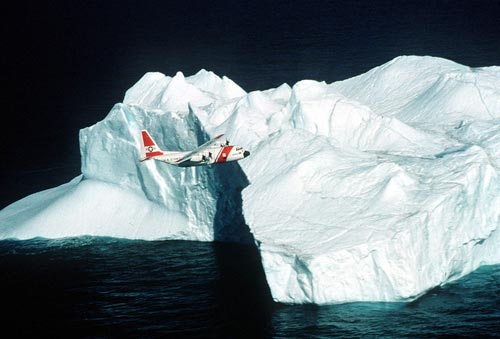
[387, 186]
[376, 188]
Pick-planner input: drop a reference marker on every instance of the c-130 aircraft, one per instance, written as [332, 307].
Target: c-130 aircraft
[211, 152]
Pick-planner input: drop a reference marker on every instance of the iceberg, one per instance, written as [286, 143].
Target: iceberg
[375, 188]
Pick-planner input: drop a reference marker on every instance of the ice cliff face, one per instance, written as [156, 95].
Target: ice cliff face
[388, 186]
[378, 187]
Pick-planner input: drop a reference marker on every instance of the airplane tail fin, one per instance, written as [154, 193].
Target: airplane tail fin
[149, 147]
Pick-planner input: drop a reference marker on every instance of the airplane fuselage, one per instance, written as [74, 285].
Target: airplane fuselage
[209, 156]
[212, 152]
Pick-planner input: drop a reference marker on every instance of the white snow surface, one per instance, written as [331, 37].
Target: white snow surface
[375, 188]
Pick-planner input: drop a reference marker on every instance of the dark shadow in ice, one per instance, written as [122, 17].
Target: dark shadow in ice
[229, 180]
[229, 222]
[243, 287]
[452, 151]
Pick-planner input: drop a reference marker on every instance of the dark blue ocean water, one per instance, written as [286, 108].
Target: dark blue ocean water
[103, 287]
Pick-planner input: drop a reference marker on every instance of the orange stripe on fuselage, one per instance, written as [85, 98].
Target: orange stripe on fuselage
[224, 154]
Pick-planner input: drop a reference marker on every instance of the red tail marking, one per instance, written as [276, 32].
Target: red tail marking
[224, 154]
[147, 139]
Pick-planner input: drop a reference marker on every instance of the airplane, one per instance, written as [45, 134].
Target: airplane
[211, 152]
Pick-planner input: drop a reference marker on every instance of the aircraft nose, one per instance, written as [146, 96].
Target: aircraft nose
[246, 154]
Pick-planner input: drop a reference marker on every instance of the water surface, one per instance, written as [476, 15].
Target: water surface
[108, 287]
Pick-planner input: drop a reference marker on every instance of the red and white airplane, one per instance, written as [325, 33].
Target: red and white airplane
[211, 152]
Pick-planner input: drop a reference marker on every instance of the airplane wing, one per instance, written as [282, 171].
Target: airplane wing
[199, 149]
